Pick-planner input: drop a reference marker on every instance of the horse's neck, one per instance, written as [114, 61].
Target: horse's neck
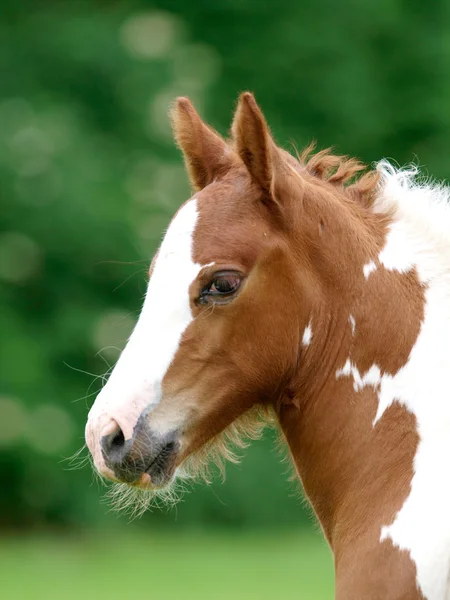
[370, 436]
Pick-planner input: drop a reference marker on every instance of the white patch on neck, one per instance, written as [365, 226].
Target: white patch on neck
[352, 322]
[307, 335]
[368, 268]
[371, 377]
[419, 238]
[135, 382]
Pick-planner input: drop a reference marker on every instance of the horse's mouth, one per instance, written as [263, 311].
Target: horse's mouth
[162, 466]
[147, 461]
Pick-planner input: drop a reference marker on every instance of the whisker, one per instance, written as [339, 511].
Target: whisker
[76, 461]
[99, 353]
[122, 262]
[82, 371]
[128, 279]
[85, 397]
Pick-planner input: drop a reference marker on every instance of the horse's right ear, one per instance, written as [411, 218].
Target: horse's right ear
[255, 145]
[206, 154]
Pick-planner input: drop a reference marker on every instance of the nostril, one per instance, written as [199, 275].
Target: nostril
[113, 442]
[118, 440]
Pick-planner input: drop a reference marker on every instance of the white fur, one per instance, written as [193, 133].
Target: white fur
[352, 322]
[371, 377]
[135, 382]
[307, 335]
[419, 238]
[368, 268]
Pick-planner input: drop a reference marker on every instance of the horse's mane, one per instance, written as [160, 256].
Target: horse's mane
[342, 171]
[403, 193]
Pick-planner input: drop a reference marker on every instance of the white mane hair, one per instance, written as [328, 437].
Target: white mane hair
[419, 207]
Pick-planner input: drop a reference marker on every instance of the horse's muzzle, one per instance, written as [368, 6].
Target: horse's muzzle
[146, 459]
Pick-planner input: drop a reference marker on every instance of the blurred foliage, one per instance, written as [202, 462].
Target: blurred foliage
[90, 178]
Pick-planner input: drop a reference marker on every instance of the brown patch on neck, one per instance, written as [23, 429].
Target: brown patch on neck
[357, 478]
[366, 567]
[388, 318]
[389, 573]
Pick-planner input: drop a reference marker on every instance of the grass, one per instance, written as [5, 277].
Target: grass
[167, 566]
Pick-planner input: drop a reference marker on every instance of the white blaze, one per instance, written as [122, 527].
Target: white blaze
[135, 382]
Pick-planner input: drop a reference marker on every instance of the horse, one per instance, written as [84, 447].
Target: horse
[311, 292]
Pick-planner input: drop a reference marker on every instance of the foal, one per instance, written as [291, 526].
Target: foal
[293, 288]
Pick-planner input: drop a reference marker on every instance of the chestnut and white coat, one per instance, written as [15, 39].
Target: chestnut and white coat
[294, 290]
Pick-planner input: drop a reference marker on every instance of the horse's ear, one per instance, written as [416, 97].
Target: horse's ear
[206, 153]
[254, 143]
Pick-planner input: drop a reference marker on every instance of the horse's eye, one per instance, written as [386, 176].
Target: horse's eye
[223, 284]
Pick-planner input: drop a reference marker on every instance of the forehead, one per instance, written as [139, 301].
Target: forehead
[231, 224]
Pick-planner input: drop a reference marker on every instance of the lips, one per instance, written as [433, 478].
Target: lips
[160, 469]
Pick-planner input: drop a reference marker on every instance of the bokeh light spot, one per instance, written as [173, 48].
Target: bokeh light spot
[139, 181]
[15, 113]
[150, 35]
[170, 185]
[30, 141]
[39, 188]
[20, 257]
[196, 65]
[50, 429]
[13, 418]
[153, 227]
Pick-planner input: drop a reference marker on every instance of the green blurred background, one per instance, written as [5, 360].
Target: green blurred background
[89, 179]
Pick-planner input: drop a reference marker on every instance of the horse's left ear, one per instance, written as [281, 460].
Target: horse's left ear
[206, 154]
[255, 145]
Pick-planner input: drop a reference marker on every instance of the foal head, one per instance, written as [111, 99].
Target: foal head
[227, 312]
